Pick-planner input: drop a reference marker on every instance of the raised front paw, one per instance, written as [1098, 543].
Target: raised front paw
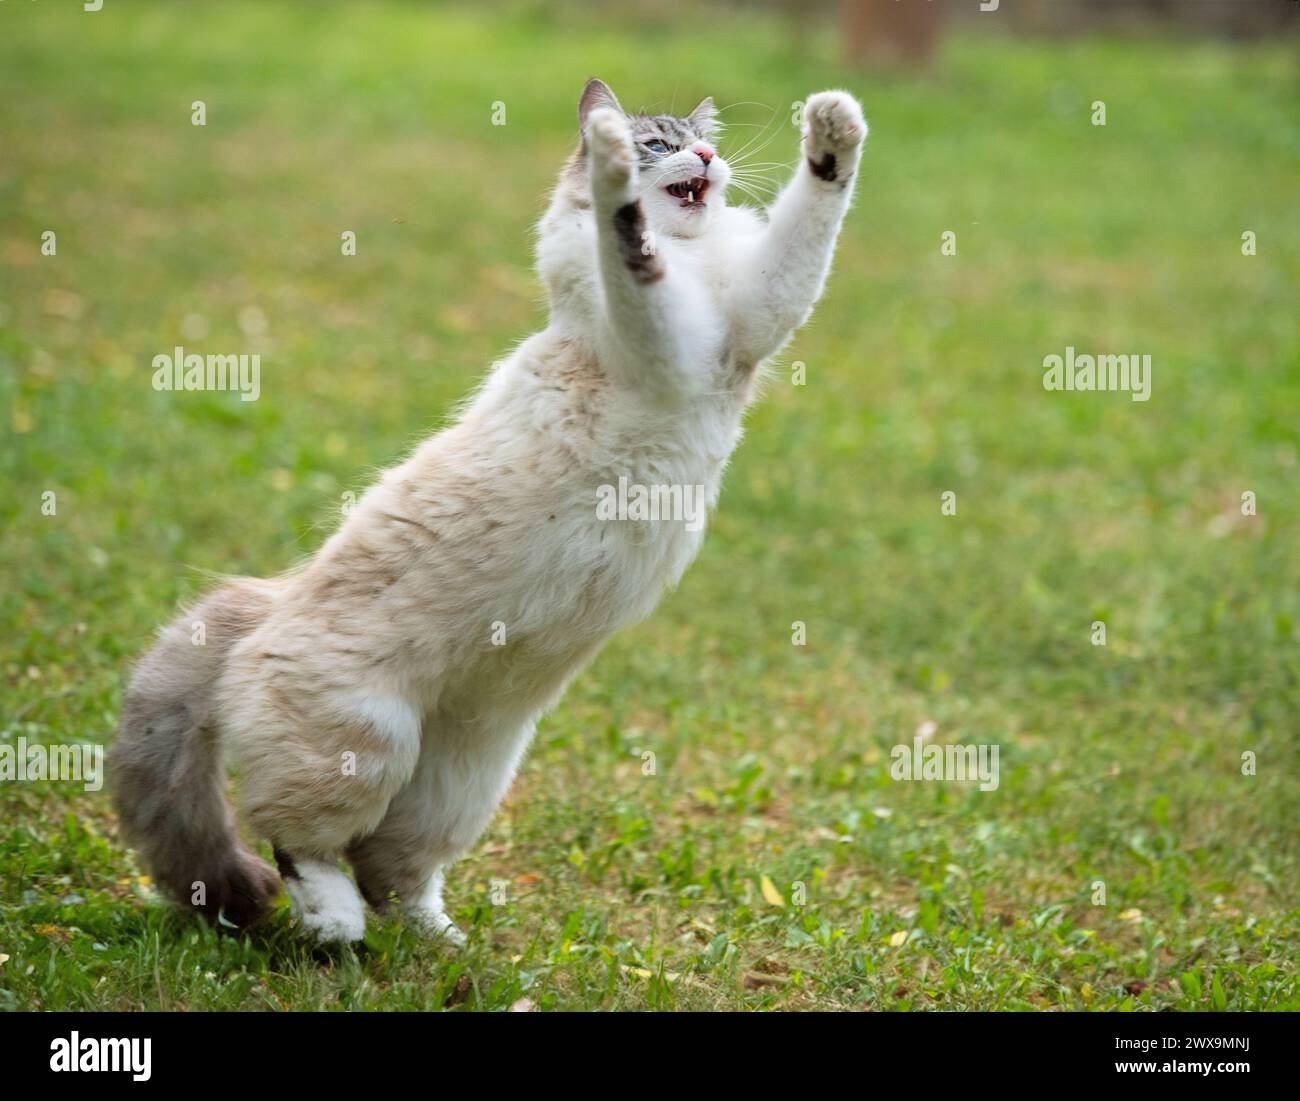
[834, 133]
[609, 144]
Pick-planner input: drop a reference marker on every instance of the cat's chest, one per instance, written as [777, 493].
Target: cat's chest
[626, 515]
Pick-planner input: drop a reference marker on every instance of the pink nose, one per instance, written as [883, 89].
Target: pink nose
[703, 152]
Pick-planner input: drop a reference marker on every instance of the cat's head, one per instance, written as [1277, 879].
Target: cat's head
[682, 180]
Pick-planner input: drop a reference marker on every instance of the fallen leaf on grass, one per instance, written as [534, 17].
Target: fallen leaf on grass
[667, 976]
[770, 893]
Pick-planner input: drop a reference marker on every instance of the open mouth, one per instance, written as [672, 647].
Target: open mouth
[689, 192]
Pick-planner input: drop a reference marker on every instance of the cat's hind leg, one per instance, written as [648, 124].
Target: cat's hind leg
[400, 867]
[324, 899]
[428, 912]
[464, 771]
[318, 769]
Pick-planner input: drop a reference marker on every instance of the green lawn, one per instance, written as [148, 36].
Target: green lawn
[599, 885]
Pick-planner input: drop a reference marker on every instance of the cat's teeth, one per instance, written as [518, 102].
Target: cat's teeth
[690, 196]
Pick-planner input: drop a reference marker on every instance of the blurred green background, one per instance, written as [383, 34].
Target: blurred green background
[769, 860]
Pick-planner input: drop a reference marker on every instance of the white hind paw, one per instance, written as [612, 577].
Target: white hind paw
[329, 928]
[325, 901]
[436, 925]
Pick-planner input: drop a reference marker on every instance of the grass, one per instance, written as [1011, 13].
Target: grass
[605, 883]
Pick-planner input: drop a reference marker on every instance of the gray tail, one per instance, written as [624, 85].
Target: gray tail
[165, 766]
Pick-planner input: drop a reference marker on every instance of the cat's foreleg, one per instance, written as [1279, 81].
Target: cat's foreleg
[639, 295]
[794, 254]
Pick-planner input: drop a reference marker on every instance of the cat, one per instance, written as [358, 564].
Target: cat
[377, 700]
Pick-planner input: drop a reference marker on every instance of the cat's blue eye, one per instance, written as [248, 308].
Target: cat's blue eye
[656, 146]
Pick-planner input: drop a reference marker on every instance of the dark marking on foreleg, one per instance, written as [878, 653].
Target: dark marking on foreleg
[635, 246]
[825, 169]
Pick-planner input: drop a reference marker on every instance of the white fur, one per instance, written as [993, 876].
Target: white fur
[427, 912]
[326, 903]
[382, 646]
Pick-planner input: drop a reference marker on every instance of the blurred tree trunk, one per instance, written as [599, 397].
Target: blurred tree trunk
[892, 30]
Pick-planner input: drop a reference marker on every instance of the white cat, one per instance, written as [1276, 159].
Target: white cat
[378, 699]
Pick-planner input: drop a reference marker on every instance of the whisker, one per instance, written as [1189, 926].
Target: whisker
[749, 146]
[760, 141]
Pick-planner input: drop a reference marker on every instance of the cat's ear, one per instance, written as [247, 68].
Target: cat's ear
[704, 119]
[596, 94]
